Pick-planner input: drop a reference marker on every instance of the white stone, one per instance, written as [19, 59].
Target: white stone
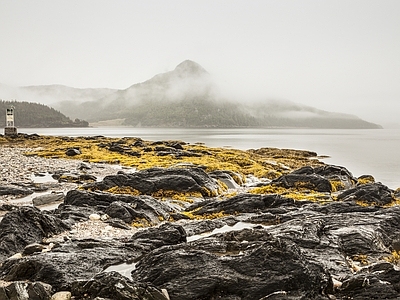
[94, 217]
[16, 256]
[61, 296]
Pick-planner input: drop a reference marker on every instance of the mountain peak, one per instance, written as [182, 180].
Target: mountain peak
[190, 67]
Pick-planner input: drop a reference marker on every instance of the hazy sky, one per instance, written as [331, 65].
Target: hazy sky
[341, 55]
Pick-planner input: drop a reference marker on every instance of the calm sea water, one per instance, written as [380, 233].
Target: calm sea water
[374, 152]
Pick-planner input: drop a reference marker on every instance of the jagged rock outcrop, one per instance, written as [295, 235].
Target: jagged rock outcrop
[114, 286]
[26, 225]
[14, 190]
[157, 179]
[249, 246]
[26, 290]
[125, 207]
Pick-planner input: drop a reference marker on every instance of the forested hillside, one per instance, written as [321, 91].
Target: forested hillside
[27, 114]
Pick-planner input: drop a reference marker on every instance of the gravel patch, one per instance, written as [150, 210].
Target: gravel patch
[19, 169]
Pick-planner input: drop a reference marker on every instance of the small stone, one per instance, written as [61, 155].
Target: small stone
[32, 248]
[84, 166]
[61, 296]
[16, 256]
[104, 217]
[94, 217]
[72, 152]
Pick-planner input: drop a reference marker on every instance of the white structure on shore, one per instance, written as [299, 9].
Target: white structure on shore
[10, 128]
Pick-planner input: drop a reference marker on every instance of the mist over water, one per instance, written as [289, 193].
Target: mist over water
[373, 152]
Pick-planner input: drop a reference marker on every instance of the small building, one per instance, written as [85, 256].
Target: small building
[10, 128]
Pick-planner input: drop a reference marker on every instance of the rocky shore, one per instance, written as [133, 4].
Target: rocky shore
[100, 218]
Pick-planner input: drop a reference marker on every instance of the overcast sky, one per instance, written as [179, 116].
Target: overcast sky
[341, 55]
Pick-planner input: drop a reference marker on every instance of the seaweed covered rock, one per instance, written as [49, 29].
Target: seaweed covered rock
[26, 225]
[326, 178]
[152, 180]
[305, 181]
[112, 285]
[369, 194]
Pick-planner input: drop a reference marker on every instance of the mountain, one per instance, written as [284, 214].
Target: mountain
[27, 114]
[186, 97]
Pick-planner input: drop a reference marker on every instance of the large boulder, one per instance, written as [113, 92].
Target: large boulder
[155, 237]
[24, 226]
[232, 269]
[48, 199]
[14, 190]
[369, 194]
[153, 180]
[21, 290]
[326, 178]
[125, 207]
[245, 203]
[312, 182]
[69, 261]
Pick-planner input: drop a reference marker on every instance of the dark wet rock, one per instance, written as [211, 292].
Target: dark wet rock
[155, 237]
[72, 214]
[117, 223]
[155, 179]
[312, 182]
[176, 216]
[246, 203]
[21, 290]
[123, 211]
[69, 262]
[33, 248]
[264, 268]
[324, 178]
[378, 285]
[87, 177]
[371, 194]
[366, 179]
[14, 190]
[201, 226]
[7, 207]
[26, 225]
[343, 208]
[139, 143]
[48, 198]
[72, 152]
[73, 177]
[84, 166]
[118, 148]
[124, 207]
[112, 285]
[38, 174]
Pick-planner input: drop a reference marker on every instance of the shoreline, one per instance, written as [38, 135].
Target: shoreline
[174, 220]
